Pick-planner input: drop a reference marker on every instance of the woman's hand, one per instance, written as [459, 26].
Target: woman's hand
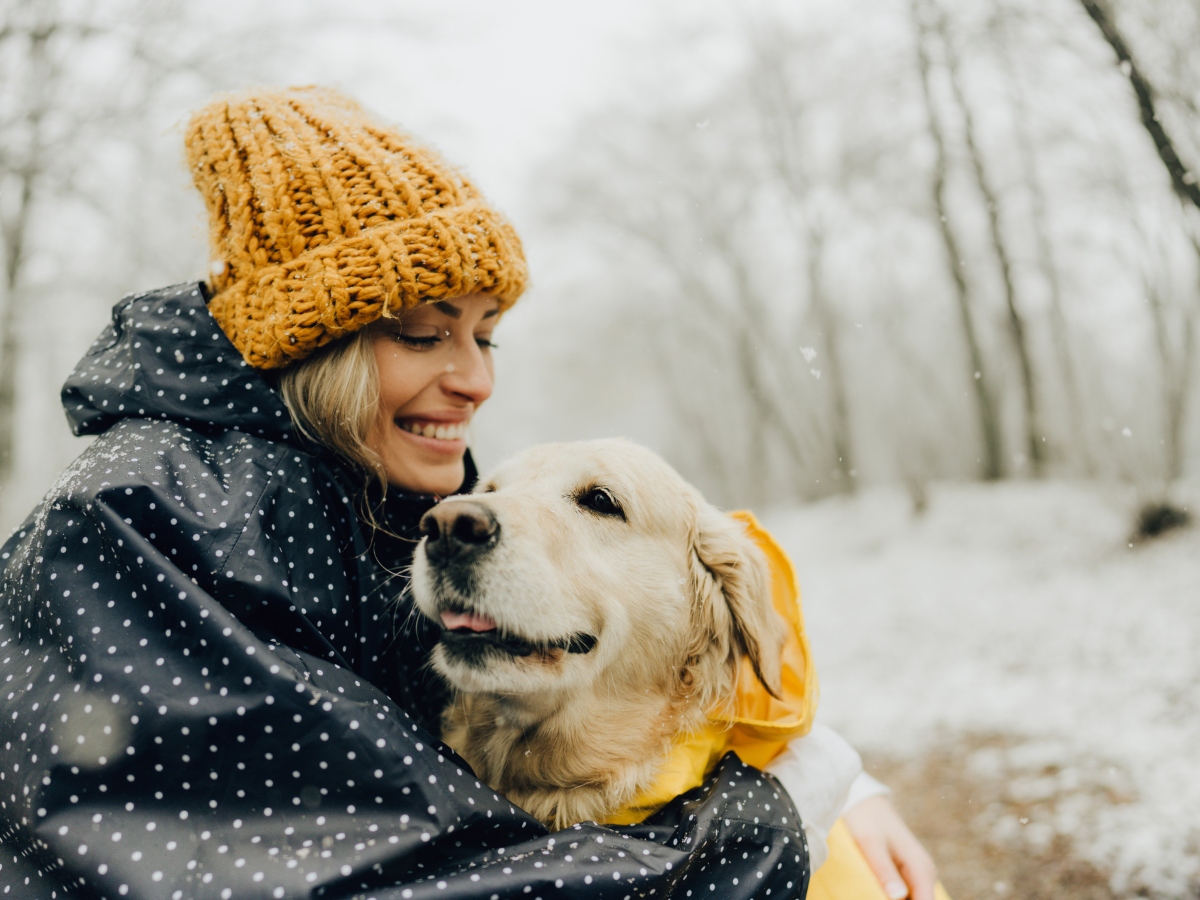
[894, 853]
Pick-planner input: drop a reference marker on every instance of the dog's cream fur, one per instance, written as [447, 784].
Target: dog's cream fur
[675, 594]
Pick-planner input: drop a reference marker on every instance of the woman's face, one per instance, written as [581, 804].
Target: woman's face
[435, 369]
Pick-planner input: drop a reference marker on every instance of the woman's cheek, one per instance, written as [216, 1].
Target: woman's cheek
[401, 376]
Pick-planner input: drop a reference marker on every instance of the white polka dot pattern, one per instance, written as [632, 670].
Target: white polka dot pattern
[209, 689]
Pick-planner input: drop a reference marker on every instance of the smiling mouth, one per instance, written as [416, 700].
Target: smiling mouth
[439, 431]
[469, 634]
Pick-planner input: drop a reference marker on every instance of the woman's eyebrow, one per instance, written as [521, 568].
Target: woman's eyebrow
[455, 312]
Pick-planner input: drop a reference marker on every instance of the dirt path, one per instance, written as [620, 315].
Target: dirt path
[987, 822]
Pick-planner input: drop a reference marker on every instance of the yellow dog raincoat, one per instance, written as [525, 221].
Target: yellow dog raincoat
[759, 729]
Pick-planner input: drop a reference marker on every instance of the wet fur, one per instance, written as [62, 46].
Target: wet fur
[573, 738]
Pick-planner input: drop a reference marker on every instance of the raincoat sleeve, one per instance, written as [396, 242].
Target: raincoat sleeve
[173, 723]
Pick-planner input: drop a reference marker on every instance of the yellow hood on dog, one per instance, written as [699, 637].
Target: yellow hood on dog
[761, 725]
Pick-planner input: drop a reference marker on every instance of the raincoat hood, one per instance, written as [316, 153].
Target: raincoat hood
[165, 357]
[211, 685]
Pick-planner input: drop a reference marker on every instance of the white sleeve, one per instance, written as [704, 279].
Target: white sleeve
[817, 771]
[864, 788]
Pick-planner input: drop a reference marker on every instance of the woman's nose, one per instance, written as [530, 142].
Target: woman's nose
[468, 373]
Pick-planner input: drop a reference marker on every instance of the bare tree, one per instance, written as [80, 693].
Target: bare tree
[748, 214]
[1178, 362]
[989, 426]
[686, 203]
[781, 115]
[60, 104]
[29, 37]
[1184, 179]
[1018, 329]
[94, 193]
[1077, 437]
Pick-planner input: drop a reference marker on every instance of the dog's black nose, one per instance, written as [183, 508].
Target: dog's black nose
[458, 529]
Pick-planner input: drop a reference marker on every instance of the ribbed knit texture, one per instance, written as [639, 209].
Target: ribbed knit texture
[322, 221]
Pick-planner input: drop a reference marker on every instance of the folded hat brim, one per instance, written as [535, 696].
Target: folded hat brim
[282, 313]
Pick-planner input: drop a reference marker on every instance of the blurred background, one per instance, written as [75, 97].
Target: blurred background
[917, 280]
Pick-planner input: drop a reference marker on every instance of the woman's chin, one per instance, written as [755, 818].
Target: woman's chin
[441, 478]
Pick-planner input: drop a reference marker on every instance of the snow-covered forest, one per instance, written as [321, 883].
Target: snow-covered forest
[906, 242]
[920, 278]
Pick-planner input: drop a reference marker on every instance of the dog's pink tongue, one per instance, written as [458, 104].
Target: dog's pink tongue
[452, 621]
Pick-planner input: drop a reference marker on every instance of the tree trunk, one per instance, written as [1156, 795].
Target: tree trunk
[753, 327]
[746, 327]
[989, 428]
[16, 236]
[827, 321]
[696, 419]
[1178, 395]
[779, 117]
[1176, 369]
[991, 201]
[1059, 329]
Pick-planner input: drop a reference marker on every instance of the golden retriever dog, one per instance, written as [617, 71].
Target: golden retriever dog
[594, 607]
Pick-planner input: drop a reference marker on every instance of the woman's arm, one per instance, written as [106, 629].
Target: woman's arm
[153, 742]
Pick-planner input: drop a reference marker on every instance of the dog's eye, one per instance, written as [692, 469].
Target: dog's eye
[601, 501]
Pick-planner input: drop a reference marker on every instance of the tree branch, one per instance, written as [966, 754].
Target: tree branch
[1183, 180]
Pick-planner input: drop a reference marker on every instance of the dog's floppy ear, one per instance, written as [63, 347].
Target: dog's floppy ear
[732, 585]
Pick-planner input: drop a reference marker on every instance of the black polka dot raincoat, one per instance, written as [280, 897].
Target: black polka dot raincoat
[211, 684]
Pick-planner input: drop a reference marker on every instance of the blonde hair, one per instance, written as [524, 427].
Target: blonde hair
[333, 398]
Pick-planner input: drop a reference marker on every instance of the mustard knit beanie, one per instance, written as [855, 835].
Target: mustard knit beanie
[323, 220]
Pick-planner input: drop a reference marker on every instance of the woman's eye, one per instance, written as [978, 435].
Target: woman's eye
[418, 340]
[485, 343]
[600, 501]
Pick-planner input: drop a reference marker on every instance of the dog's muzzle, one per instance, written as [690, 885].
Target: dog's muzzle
[457, 535]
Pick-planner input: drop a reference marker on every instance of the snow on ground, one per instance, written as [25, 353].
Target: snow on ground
[1020, 609]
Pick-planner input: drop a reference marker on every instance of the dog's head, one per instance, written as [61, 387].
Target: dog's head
[579, 564]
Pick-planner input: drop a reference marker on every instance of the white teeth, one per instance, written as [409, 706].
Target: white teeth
[437, 432]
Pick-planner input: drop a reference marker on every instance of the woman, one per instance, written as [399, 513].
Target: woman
[212, 689]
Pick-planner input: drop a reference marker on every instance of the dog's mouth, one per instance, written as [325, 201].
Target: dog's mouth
[463, 621]
[469, 632]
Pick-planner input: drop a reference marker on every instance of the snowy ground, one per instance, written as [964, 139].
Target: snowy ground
[1020, 609]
